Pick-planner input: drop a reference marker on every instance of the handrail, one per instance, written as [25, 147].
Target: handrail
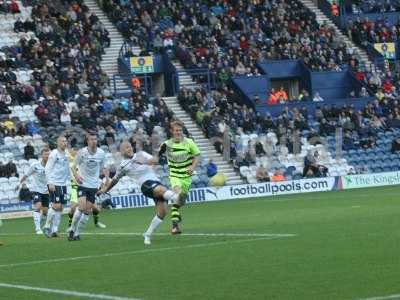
[146, 82]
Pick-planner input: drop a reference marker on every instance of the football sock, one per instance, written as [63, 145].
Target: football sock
[70, 216]
[81, 224]
[56, 221]
[175, 214]
[153, 225]
[36, 219]
[76, 218]
[95, 216]
[49, 219]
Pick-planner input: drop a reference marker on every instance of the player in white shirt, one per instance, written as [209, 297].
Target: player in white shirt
[57, 176]
[90, 163]
[38, 188]
[139, 166]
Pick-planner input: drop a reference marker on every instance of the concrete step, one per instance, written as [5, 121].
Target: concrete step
[235, 181]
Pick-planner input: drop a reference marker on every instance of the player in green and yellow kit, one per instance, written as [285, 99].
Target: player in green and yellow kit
[183, 156]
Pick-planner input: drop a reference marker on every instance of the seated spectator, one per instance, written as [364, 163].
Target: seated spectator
[29, 151]
[272, 99]
[259, 149]
[304, 96]
[313, 137]
[65, 117]
[317, 97]
[311, 166]
[364, 92]
[380, 95]
[9, 127]
[9, 170]
[135, 82]
[335, 9]
[212, 168]
[396, 145]
[282, 95]
[325, 128]
[351, 171]
[262, 174]
[240, 161]
[278, 176]
[348, 142]
[14, 7]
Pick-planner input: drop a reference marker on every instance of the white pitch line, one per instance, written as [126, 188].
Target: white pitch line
[199, 234]
[394, 296]
[168, 234]
[64, 292]
[143, 251]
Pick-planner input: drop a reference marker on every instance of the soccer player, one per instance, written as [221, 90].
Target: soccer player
[38, 188]
[183, 156]
[72, 152]
[57, 177]
[74, 203]
[90, 163]
[139, 166]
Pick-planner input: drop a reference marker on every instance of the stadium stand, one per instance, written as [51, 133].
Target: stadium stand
[52, 87]
[219, 35]
[52, 83]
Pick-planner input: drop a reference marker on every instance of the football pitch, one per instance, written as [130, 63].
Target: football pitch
[331, 245]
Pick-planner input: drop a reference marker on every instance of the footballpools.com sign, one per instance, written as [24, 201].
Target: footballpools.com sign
[239, 191]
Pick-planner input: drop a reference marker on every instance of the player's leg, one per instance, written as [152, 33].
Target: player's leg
[96, 212]
[62, 192]
[176, 185]
[45, 207]
[73, 205]
[161, 195]
[81, 215]
[56, 198]
[181, 186]
[37, 205]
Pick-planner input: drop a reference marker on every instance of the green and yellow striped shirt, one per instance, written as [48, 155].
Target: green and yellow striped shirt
[180, 156]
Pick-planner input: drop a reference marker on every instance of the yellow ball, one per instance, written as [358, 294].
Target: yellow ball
[218, 180]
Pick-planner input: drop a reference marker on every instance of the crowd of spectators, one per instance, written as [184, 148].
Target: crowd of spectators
[228, 37]
[219, 114]
[373, 6]
[66, 84]
[9, 7]
[64, 57]
[364, 31]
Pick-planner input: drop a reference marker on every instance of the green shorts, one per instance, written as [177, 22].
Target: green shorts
[183, 183]
[74, 195]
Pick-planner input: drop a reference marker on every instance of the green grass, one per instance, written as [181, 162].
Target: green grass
[346, 247]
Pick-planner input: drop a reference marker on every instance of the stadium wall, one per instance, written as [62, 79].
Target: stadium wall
[267, 189]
